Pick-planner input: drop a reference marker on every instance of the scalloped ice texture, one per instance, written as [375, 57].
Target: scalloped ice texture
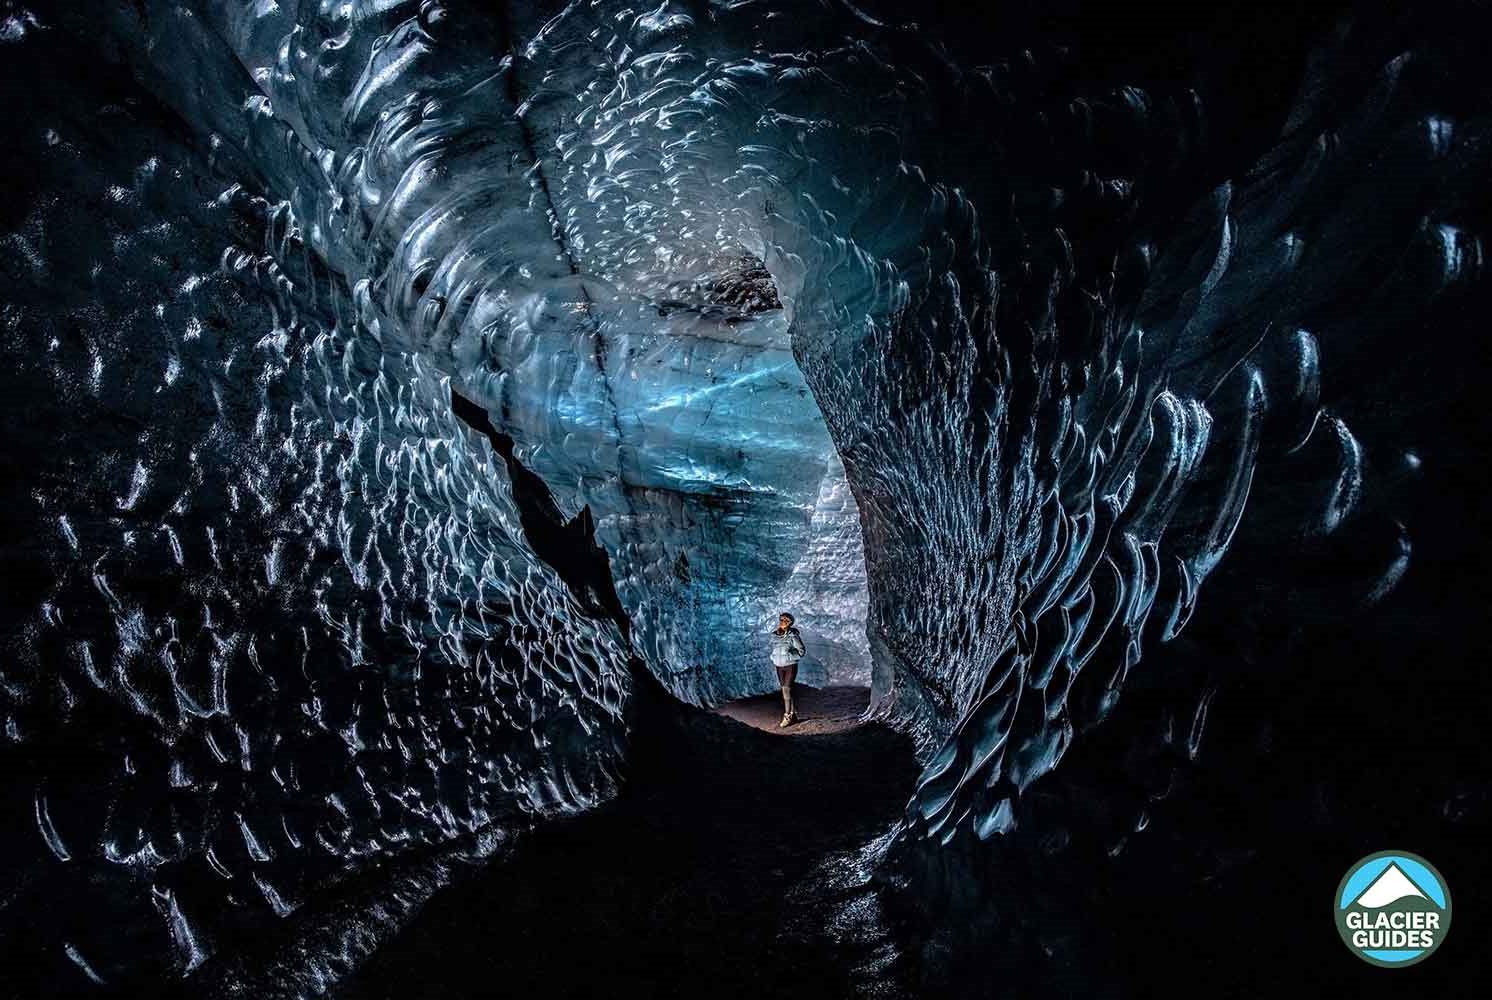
[1066, 435]
[288, 622]
[1045, 444]
[520, 225]
[274, 614]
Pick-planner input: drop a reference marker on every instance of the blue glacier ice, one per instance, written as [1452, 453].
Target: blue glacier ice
[763, 313]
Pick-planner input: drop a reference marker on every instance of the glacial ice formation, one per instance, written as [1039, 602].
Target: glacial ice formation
[984, 406]
[582, 277]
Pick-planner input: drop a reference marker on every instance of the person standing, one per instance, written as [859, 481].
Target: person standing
[787, 650]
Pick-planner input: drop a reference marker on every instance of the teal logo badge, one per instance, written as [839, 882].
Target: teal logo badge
[1393, 909]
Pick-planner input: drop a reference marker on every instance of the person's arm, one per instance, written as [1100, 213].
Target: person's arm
[798, 643]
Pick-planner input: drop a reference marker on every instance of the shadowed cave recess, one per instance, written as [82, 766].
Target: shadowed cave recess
[419, 411]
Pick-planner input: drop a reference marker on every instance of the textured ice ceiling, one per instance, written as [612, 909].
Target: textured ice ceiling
[806, 312]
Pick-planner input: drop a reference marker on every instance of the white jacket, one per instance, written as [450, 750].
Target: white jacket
[787, 647]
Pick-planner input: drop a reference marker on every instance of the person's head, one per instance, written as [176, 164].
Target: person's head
[784, 622]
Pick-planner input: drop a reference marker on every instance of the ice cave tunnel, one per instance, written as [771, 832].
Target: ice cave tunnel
[678, 419]
[427, 406]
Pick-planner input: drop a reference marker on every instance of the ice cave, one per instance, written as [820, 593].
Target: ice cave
[419, 413]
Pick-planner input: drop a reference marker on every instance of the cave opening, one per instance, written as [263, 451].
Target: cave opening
[707, 498]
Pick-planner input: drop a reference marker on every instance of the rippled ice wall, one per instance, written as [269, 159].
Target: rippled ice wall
[753, 283]
[276, 594]
[270, 613]
[634, 347]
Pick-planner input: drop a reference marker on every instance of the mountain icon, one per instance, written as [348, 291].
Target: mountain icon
[1389, 887]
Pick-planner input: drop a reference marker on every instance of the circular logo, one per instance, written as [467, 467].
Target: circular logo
[1392, 909]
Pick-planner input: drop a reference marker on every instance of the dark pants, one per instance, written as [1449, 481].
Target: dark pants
[786, 675]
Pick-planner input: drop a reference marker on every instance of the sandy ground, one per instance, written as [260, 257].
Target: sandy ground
[820, 710]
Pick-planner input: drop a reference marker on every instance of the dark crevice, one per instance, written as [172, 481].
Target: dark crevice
[557, 230]
[569, 547]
